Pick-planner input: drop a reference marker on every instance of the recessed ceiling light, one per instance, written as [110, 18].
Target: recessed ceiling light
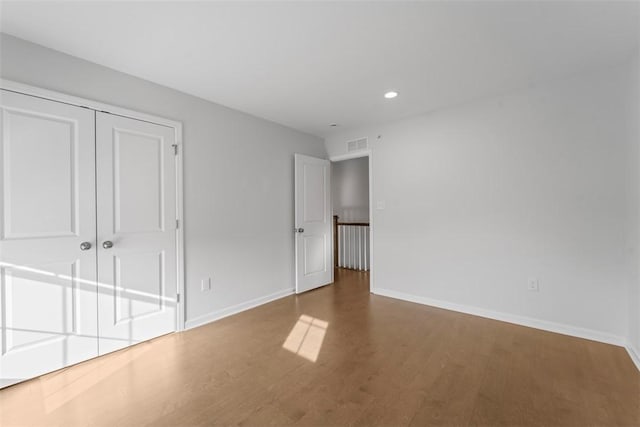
[333, 125]
[391, 94]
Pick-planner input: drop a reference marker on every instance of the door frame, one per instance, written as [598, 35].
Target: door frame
[356, 155]
[50, 95]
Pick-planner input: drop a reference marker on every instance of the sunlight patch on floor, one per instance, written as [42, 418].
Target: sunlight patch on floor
[306, 337]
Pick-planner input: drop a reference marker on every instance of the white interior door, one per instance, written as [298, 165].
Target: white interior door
[314, 259]
[48, 317]
[136, 182]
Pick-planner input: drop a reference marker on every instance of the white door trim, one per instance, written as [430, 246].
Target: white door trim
[356, 155]
[25, 89]
[349, 156]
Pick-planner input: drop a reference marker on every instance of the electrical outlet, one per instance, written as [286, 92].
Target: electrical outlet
[381, 205]
[205, 285]
[533, 285]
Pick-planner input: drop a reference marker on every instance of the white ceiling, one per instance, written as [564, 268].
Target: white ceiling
[308, 64]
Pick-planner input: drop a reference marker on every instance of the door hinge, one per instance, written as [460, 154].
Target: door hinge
[177, 223]
[177, 297]
[175, 149]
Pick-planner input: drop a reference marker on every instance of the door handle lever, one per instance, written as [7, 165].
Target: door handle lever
[298, 230]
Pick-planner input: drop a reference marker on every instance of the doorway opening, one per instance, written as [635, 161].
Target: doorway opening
[351, 210]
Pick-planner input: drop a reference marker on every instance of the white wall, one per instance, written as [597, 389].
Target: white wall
[481, 197]
[238, 176]
[350, 189]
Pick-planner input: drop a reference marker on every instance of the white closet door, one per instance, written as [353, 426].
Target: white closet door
[136, 182]
[48, 317]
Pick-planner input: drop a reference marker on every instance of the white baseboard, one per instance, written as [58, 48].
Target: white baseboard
[634, 354]
[559, 328]
[234, 309]
[545, 325]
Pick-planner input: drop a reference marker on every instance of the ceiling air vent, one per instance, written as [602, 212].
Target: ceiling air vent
[357, 145]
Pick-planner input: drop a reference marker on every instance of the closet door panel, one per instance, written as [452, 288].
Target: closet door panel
[48, 315]
[136, 230]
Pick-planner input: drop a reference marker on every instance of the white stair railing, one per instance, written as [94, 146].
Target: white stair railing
[352, 243]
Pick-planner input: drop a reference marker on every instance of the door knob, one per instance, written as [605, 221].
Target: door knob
[298, 230]
[107, 244]
[85, 246]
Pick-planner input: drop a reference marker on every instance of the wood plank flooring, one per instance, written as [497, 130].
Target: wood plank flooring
[351, 358]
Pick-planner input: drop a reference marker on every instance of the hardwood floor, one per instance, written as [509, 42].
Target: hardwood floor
[378, 361]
